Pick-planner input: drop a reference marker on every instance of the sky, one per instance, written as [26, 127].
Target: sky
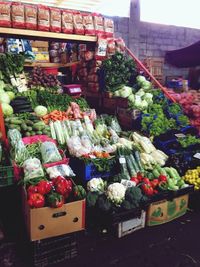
[184, 13]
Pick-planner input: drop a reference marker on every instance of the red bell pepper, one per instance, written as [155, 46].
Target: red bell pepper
[32, 189]
[44, 187]
[36, 200]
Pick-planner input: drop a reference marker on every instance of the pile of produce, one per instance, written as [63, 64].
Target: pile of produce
[118, 70]
[39, 78]
[28, 124]
[193, 177]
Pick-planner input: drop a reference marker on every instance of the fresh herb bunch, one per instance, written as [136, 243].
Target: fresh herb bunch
[11, 65]
[174, 109]
[56, 101]
[102, 164]
[188, 140]
[118, 70]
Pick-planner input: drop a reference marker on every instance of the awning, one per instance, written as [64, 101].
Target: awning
[184, 58]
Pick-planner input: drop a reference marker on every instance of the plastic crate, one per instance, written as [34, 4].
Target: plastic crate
[6, 176]
[53, 250]
[86, 172]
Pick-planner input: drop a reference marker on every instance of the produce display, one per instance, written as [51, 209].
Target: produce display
[62, 151]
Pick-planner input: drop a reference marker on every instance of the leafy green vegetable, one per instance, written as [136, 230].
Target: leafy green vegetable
[91, 198]
[188, 140]
[118, 71]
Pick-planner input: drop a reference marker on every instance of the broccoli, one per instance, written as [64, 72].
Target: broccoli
[92, 199]
[133, 196]
[104, 203]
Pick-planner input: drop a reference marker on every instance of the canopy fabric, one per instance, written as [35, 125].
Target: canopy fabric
[184, 58]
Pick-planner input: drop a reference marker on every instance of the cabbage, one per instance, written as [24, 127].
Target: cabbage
[4, 98]
[146, 85]
[149, 98]
[131, 98]
[40, 111]
[140, 79]
[144, 105]
[140, 93]
[7, 109]
[11, 95]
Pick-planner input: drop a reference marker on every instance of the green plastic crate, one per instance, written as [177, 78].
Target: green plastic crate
[6, 176]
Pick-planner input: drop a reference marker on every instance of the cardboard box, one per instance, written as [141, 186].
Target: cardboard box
[126, 117]
[127, 227]
[48, 222]
[40, 44]
[164, 211]
[109, 105]
[41, 56]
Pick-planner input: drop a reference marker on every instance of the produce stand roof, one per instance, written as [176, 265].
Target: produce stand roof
[185, 57]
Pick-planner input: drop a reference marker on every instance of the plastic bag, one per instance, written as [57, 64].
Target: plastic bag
[98, 24]
[31, 17]
[78, 23]
[60, 170]
[50, 152]
[5, 18]
[20, 153]
[43, 18]
[55, 20]
[14, 136]
[88, 24]
[101, 48]
[67, 21]
[108, 27]
[32, 169]
[18, 18]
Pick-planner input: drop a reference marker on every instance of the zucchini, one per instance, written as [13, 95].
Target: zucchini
[134, 163]
[130, 166]
[39, 132]
[138, 160]
[32, 133]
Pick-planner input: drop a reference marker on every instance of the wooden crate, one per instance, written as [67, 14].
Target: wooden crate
[155, 66]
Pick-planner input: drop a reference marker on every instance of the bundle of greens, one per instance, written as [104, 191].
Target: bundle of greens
[118, 70]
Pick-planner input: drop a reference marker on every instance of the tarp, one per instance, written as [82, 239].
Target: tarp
[184, 58]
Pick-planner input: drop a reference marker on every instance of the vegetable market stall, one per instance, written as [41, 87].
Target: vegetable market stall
[71, 160]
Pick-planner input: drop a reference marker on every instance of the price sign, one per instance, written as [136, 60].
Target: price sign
[179, 135]
[122, 160]
[197, 156]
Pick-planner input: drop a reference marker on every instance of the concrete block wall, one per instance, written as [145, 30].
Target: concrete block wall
[153, 40]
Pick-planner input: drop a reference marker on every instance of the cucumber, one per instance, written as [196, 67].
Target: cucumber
[16, 121]
[39, 132]
[12, 126]
[29, 129]
[29, 122]
[32, 133]
[27, 134]
[24, 126]
[38, 128]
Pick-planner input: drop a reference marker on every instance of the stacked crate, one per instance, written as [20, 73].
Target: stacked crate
[155, 66]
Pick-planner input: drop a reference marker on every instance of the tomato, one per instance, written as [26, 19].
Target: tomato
[36, 200]
[154, 183]
[135, 179]
[146, 181]
[139, 176]
[147, 189]
[162, 178]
